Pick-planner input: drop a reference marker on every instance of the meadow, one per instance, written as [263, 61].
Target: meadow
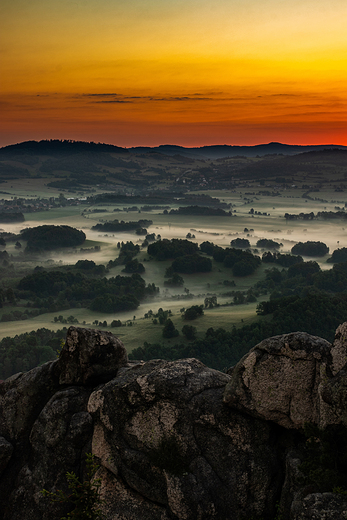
[219, 230]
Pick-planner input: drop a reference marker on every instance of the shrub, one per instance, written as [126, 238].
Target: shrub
[84, 495]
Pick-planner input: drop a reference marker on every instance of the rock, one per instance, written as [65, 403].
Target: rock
[334, 394]
[174, 440]
[58, 439]
[163, 435]
[90, 357]
[279, 379]
[339, 349]
[22, 398]
[6, 450]
[321, 506]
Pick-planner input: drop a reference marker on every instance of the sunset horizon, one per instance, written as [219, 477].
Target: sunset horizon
[186, 73]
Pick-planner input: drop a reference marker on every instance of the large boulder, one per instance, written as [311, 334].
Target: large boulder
[279, 380]
[165, 438]
[58, 440]
[90, 357]
[22, 398]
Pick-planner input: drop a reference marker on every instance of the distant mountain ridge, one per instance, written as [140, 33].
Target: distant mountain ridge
[221, 151]
[55, 146]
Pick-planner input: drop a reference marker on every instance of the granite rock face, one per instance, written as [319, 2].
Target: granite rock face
[163, 432]
[174, 440]
[90, 357]
[280, 379]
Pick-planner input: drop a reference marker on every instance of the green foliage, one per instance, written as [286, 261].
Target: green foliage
[200, 211]
[84, 496]
[310, 249]
[116, 323]
[190, 264]
[166, 249]
[175, 281]
[317, 314]
[193, 312]
[116, 225]
[242, 243]
[339, 255]
[242, 263]
[26, 351]
[189, 331]
[266, 243]
[47, 237]
[169, 330]
[108, 295]
[134, 266]
[285, 260]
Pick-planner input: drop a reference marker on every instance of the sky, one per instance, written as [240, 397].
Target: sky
[184, 72]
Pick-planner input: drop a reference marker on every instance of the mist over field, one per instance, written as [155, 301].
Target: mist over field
[282, 199]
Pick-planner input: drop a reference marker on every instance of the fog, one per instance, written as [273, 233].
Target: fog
[219, 230]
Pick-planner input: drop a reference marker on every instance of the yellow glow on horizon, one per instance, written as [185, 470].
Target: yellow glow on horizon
[253, 63]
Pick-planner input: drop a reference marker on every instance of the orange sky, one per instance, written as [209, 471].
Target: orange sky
[193, 72]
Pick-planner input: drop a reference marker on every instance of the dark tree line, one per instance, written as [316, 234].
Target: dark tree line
[117, 225]
[201, 211]
[114, 294]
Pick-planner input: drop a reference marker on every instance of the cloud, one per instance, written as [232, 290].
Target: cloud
[122, 98]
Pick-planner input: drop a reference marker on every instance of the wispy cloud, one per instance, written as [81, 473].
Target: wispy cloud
[122, 98]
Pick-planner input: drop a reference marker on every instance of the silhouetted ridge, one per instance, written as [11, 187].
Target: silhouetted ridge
[56, 146]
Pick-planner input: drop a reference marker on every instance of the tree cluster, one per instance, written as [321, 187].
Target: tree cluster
[310, 249]
[108, 295]
[200, 211]
[190, 264]
[116, 225]
[49, 237]
[168, 249]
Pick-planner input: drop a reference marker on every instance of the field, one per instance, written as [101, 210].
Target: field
[219, 230]
[258, 207]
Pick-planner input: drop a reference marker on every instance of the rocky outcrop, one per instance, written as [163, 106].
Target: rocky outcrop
[279, 380]
[174, 440]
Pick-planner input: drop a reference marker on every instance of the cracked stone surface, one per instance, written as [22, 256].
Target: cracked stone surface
[279, 380]
[182, 400]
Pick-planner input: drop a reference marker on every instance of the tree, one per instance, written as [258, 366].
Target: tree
[189, 331]
[170, 331]
[175, 281]
[193, 312]
[242, 243]
[265, 243]
[210, 302]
